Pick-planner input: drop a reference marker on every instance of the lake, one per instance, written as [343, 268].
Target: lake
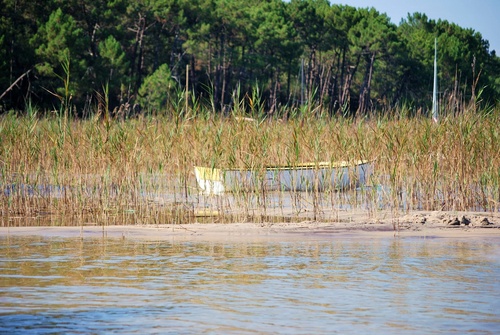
[326, 285]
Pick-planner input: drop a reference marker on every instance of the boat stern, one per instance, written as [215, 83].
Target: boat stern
[210, 180]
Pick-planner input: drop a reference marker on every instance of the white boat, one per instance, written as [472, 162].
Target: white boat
[304, 177]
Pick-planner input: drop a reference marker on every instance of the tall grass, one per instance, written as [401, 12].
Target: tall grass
[140, 170]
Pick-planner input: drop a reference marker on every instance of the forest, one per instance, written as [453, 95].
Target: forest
[125, 57]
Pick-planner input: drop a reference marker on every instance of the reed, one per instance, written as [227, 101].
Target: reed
[62, 171]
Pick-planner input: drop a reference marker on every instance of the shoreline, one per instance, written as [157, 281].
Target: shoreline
[351, 224]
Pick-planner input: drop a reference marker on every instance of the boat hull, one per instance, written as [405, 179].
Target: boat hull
[306, 177]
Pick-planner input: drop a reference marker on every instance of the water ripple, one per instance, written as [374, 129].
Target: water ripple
[392, 286]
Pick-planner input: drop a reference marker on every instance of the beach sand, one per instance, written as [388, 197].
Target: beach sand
[349, 224]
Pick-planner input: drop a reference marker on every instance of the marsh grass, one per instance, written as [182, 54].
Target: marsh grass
[62, 171]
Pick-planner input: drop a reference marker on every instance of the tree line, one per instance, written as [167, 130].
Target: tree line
[126, 56]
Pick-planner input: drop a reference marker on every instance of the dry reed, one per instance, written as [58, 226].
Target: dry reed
[62, 171]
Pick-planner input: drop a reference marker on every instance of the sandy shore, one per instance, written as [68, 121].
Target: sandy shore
[352, 224]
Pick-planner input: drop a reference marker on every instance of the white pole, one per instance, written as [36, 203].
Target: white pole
[435, 89]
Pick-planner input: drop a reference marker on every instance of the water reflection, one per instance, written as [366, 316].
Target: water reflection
[117, 285]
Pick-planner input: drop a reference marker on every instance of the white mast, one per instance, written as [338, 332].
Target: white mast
[435, 89]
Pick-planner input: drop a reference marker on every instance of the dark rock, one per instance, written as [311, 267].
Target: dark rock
[454, 222]
[464, 221]
[485, 222]
[420, 220]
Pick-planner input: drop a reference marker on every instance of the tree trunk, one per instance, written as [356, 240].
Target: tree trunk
[364, 94]
[325, 82]
[342, 68]
[346, 89]
[224, 73]
[311, 76]
[136, 66]
[288, 80]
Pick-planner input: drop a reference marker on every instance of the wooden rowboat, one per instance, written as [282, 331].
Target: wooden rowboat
[304, 177]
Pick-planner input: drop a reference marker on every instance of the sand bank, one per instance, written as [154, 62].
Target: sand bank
[351, 224]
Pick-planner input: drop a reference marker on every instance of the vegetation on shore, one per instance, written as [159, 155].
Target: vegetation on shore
[140, 54]
[114, 171]
[121, 99]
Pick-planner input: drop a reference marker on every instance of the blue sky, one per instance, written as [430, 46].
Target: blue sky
[481, 15]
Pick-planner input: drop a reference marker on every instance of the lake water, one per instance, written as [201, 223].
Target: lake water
[323, 286]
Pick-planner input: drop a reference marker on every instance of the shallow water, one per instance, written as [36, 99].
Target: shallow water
[325, 286]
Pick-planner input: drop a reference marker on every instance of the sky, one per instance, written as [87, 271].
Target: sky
[480, 15]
